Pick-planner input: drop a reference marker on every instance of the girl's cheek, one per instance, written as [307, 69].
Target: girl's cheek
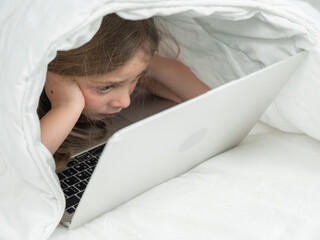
[94, 102]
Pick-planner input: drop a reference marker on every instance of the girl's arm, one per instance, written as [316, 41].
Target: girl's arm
[67, 103]
[173, 80]
[56, 126]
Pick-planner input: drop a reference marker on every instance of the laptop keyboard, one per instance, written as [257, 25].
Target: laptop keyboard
[76, 175]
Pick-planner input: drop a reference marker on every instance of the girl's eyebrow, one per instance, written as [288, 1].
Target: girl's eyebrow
[119, 82]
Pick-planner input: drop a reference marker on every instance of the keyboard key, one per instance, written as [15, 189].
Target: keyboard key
[71, 210]
[90, 170]
[83, 156]
[72, 163]
[71, 180]
[61, 176]
[92, 162]
[72, 201]
[81, 185]
[97, 151]
[79, 195]
[70, 191]
[80, 167]
[63, 186]
[83, 175]
[69, 172]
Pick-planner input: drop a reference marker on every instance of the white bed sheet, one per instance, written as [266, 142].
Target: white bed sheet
[266, 188]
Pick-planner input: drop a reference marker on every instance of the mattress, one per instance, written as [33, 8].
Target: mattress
[265, 188]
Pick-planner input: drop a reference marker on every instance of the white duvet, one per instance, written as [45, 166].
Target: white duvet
[264, 189]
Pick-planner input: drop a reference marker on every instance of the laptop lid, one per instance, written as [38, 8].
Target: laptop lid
[167, 144]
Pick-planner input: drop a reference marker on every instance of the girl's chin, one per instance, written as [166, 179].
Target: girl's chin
[98, 116]
[92, 116]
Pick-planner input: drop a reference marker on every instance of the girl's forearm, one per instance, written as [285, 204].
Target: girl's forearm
[177, 77]
[160, 90]
[57, 124]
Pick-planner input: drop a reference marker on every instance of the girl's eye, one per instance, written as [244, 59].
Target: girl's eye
[104, 89]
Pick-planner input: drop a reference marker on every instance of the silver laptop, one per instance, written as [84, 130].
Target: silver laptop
[167, 144]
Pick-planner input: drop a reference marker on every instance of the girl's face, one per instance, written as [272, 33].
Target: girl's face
[108, 94]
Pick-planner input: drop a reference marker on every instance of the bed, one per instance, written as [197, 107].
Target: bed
[265, 188]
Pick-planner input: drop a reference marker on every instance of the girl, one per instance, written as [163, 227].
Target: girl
[94, 82]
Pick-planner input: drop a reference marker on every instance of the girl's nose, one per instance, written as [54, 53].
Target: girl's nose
[122, 99]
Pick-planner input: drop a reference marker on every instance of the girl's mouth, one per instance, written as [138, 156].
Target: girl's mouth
[108, 115]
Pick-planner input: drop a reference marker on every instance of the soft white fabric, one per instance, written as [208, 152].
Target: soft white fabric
[264, 189]
[220, 41]
[314, 3]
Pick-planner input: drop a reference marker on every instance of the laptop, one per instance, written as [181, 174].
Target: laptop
[146, 152]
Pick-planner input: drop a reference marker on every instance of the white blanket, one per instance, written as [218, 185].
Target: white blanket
[220, 41]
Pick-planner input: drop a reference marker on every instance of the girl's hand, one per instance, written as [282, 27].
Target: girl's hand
[63, 92]
[67, 104]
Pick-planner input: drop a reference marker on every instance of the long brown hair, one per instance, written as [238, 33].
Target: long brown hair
[116, 42]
